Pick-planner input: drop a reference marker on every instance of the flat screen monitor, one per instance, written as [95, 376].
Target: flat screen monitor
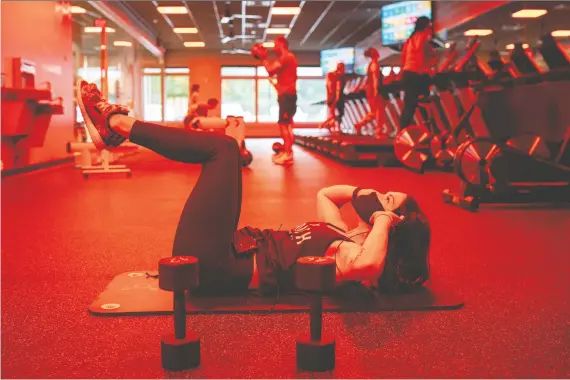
[399, 19]
[330, 58]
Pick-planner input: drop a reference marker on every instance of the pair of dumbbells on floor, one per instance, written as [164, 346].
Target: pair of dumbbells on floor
[181, 351]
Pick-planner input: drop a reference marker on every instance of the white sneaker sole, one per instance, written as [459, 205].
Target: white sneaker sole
[91, 129]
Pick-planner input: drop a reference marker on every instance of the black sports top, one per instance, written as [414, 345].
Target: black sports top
[279, 250]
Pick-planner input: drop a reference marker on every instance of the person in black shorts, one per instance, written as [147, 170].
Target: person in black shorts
[283, 73]
[388, 249]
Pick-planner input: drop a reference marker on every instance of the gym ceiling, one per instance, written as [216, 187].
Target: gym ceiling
[313, 25]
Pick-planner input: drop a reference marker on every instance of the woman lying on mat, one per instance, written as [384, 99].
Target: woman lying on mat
[389, 248]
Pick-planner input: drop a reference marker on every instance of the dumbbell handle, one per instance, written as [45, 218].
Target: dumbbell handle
[316, 313]
[179, 314]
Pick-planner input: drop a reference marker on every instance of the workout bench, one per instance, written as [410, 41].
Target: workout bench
[85, 154]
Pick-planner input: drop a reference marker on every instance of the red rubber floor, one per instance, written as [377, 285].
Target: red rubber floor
[64, 238]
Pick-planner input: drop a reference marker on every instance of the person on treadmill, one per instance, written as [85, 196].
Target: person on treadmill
[200, 110]
[418, 59]
[284, 70]
[388, 249]
[335, 82]
[373, 95]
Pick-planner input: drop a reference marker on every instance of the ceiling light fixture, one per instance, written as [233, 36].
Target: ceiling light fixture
[285, 11]
[123, 43]
[194, 44]
[561, 33]
[76, 10]
[529, 13]
[97, 29]
[478, 32]
[512, 46]
[268, 44]
[278, 30]
[186, 30]
[172, 10]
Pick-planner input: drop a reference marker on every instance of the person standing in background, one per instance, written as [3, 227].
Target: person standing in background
[373, 95]
[335, 81]
[284, 70]
[418, 58]
[194, 98]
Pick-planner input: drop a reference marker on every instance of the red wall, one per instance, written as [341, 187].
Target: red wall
[36, 31]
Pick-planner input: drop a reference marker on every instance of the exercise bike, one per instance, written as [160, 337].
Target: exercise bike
[521, 169]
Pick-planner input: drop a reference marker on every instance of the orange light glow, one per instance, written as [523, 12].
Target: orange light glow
[512, 46]
[278, 30]
[529, 13]
[285, 10]
[194, 44]
[561, 33]
[478, 32]
[172, 10]
[97, 29]
[76, 10]
[123, 43]
[186, 30]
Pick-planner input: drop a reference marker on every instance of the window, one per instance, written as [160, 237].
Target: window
[177, 87]
[152, 92]
[310, 92]
[247, 91]
[238, 98]
[174, 98]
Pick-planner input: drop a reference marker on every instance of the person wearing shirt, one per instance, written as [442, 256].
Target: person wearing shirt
[418, 58]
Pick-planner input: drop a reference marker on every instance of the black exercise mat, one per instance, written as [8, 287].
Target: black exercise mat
[136, 293]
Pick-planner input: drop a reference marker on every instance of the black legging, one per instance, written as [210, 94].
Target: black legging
[414, 85]
[211, 213]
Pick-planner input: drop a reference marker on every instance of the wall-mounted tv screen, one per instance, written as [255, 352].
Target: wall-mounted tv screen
[399, 19]
[330, 58]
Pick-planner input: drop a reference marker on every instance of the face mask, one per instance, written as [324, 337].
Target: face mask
[366, 205]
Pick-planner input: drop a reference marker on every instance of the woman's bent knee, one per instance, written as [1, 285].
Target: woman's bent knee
[227, 146]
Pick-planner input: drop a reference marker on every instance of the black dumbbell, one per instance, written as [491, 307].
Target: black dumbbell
[317, 276]
[277, 147]
[180, 351]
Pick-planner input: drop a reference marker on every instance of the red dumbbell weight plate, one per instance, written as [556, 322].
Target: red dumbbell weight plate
[412, 146]
[472, 161]
[530, 145]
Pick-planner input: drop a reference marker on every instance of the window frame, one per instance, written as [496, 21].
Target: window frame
[256, 77]
[162, 72]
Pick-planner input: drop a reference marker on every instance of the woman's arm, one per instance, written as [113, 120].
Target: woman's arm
[364, 262]
[330, 200]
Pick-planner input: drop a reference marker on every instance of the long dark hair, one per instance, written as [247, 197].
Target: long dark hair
[406, 265]
[421, 24]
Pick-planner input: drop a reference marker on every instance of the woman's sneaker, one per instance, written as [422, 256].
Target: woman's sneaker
[96, 113]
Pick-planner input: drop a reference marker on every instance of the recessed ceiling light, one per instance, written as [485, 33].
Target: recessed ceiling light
[123, 43]
[268, 44]
[561, 33]
[194, 44]
[172, 10]
[97, 29]
[512, 46]
[285, 10]
[529, 13]
[75, 9]
[478, 32]
[278, 30]
[186, 30]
